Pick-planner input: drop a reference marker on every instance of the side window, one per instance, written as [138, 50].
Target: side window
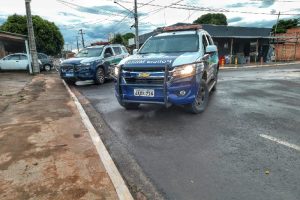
[108, 50]
[117, 50]
[13, 57]
[124, 50]
[210, 41]
[204, 42]
[23, 57]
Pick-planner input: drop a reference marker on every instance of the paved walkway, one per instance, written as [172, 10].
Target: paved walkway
[45, 150]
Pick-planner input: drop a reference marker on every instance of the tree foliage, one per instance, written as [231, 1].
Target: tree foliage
[48, 38]
[283, 25]
[118, 39]
[212, 18]
[127, 36]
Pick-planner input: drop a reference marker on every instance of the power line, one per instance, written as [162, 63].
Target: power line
[104, 12]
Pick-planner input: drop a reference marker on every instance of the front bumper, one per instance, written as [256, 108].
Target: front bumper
[166, 89]
[74, 72]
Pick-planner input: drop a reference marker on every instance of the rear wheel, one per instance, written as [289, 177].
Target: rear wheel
[47, 68]
[100, 76]
[201, 100]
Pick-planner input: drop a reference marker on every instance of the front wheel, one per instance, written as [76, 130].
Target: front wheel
[100, 76]
[129, 106]
[201, 100]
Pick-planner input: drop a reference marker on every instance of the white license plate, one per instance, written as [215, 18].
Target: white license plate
[69, 74]
[144, 92]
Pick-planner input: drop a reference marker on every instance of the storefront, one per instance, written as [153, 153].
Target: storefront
[12, 43]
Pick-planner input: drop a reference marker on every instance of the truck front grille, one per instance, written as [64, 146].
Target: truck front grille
[157, 81]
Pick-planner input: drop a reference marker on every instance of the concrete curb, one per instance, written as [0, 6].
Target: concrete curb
[115, 176]
[258, 66]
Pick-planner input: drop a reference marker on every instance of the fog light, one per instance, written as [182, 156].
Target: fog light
[182, 93]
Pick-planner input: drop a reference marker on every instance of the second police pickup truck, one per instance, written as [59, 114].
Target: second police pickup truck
[178, 66]
[92, 63]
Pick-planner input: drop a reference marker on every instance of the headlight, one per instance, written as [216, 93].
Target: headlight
[116, 71]
[185, 70]
[86, 63]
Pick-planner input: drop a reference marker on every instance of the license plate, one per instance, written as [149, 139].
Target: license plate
[69, 74]
[144, 92]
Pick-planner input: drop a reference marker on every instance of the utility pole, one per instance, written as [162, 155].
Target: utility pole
[136, 25]
[82, 39]
[77, 43]
[136, 22]
[31, 40]
[275, 32]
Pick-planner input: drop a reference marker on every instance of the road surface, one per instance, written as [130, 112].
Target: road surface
[244, 146]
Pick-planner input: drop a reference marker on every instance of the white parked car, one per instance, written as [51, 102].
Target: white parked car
[17, 61]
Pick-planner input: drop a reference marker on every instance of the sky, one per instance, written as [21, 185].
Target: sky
[100, 18]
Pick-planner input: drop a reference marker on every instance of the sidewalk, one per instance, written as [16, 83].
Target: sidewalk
[45, 150]
[254, 65]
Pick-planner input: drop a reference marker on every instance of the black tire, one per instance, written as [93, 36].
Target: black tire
[100, 76]
[47, 68]
[201, 101]
[129, 106]
[70, 82]
[216, 80]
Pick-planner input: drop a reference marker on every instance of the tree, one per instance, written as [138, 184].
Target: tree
[127, 36]
[118, 39]
[48, 38]
[283, 25]
[212, 18]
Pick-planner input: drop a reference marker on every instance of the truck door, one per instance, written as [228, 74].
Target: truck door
[118, 55]
[207, 65]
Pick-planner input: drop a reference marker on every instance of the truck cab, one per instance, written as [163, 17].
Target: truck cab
[176, 67]
[92, 63]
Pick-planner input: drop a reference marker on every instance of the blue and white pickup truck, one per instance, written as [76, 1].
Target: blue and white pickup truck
[92, 63]
[178, 66]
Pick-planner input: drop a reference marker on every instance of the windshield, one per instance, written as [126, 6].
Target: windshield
[89, 52]
[171, 44]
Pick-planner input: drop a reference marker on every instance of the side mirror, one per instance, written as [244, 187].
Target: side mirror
[107, 55]
[211, 49]
[134, 51]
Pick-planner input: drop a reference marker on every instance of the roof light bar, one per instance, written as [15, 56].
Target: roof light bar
[182, 28]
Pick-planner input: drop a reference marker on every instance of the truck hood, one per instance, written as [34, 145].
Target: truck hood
[77, 61]
[161, 59]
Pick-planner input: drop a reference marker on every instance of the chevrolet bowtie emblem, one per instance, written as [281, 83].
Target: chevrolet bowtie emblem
[144, 75]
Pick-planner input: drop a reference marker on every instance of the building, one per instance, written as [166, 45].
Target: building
[287, 45]
[235, 44]
[12, 43]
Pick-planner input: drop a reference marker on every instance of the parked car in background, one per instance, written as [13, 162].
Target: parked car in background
[92, 63]
[47, 63]
[16, 61]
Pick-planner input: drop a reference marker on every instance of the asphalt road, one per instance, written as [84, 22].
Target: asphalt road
[222, 153]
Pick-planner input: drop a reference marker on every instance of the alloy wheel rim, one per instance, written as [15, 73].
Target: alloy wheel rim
[100, 76]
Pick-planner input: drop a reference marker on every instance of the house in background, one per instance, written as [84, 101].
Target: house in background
[12, 43]
[235, 44]
[287, 45]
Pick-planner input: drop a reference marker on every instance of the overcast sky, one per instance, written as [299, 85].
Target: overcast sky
[99, 18]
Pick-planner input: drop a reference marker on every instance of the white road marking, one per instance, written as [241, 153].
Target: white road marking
[115, 176]
[293, 146]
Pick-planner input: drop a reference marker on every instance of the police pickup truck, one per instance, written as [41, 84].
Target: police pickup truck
[178, 66]
[92, 63]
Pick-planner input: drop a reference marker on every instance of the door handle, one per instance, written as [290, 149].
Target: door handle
[17, 61]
